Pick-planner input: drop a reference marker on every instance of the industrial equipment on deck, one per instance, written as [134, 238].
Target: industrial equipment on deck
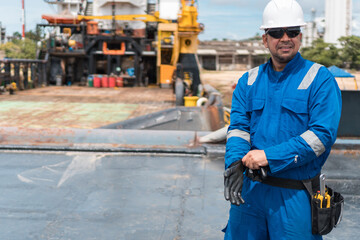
[143, 42]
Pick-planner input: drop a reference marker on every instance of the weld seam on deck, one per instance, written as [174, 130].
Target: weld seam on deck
[186, 151]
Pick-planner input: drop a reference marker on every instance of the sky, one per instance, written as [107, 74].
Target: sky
[223, 19]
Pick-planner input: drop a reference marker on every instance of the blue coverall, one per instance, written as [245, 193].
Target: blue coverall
[293, 116]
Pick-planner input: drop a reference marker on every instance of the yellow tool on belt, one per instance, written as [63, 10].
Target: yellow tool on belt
[323, 195]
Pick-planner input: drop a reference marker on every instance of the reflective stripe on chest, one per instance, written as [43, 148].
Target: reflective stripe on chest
[310, 76]
[305, 83]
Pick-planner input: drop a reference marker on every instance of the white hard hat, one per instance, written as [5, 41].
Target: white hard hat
[282, 13]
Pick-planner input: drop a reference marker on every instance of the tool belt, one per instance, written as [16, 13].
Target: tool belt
[326, 213]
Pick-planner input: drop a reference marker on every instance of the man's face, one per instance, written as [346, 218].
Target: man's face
[282, 48]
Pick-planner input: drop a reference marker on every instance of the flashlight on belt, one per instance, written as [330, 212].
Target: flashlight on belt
[322, 195]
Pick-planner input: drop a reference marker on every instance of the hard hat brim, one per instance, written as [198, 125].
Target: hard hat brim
[282, 26]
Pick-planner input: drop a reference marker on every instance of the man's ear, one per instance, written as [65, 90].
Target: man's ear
[264, 38]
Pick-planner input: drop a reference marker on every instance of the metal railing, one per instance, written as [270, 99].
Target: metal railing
[25, 73]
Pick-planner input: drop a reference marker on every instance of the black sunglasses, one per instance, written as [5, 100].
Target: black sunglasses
[279, 32]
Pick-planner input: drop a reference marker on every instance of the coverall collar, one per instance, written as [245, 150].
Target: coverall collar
[290, 66]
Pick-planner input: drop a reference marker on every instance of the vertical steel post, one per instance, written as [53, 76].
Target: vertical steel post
[92, 63]
[136, 69]
[26, 75]
[108, 70]
[7, 73]
[44, 80]
[33, 74]
[17, 74]
[113, 18]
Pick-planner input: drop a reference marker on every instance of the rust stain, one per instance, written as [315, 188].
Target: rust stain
[348, 152]
[70, 107]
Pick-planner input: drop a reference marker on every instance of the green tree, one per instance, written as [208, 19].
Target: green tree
[257, 37]
[17, 35]
[350, 52]
[324, 53]
[33, 35]
[20, 49]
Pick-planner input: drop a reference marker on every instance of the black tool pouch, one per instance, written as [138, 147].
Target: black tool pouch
[325, 219]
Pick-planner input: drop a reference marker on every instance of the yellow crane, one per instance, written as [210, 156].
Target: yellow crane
[176, 44]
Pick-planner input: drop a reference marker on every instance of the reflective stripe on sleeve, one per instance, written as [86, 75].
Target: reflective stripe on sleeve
[238, 133]
[314, 142]
[310, 76]
[253, 73]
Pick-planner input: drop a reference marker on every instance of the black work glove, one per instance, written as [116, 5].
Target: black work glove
[258, 175]
[233, 182]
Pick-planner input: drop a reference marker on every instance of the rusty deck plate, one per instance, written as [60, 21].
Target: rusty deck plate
[80, 107]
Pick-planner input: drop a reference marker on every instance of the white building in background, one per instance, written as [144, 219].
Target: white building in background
[338, 16]
[310, 31]
[310, 34]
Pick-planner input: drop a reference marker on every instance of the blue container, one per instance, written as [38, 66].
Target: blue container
[130, 71]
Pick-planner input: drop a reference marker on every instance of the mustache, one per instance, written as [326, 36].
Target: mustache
[286, 44]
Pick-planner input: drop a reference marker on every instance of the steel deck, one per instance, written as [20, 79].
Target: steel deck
[130, 195]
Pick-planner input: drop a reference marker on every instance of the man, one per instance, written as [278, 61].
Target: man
[284, 119]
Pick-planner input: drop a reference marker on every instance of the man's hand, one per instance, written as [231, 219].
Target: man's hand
[233, 182]
[255, 159]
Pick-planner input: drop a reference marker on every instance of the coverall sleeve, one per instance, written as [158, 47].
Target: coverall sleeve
[324, 117]
[238, 135]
